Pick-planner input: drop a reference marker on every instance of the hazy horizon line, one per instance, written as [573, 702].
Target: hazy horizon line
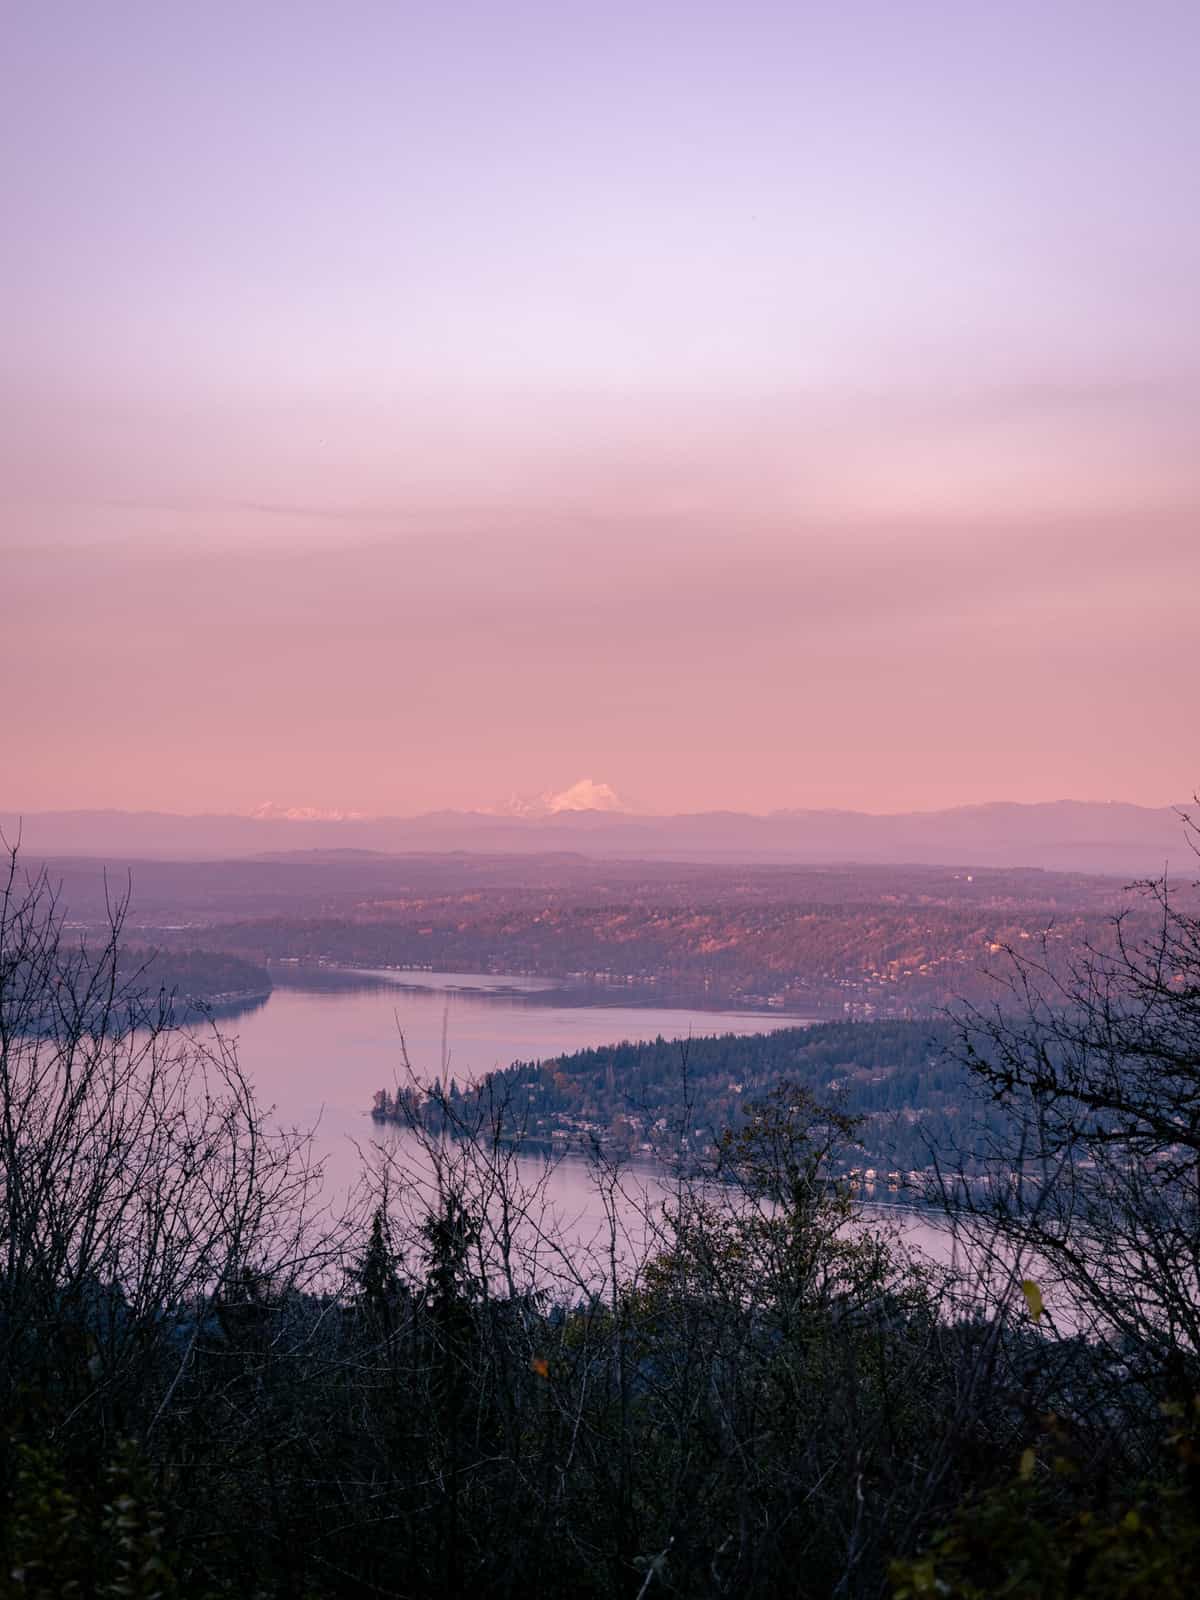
[339, 817]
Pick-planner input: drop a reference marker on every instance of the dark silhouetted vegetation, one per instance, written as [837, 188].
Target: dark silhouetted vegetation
[210, 1388]
[897, 1079]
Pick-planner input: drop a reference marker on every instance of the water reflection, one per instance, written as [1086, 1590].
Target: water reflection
[502, 989]
[318, 1051]
[577, 1223]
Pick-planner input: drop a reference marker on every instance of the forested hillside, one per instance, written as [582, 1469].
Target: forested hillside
[910, 1100]
[863, 960]
[209, 978]
[828, 941]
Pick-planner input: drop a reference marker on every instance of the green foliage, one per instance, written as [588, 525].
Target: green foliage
[1049, 1532]
[47, 1536]
[65, 1535]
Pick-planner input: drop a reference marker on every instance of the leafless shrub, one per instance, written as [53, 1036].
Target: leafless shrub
[141, 1180]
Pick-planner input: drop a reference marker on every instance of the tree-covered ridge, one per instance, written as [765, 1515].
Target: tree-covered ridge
[861, 960]
[895, 1078]
[862, 941]
[204, 977]
[99, 989]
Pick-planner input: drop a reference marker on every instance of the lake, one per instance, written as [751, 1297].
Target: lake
[317, 1054]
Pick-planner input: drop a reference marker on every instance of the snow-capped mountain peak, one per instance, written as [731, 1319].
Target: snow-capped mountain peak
[585, 795]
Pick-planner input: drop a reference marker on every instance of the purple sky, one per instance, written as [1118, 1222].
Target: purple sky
[750, 404]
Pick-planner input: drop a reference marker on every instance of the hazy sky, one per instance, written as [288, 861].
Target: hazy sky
[747, 404]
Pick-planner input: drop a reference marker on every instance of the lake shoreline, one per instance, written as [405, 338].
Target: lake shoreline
[643, 993]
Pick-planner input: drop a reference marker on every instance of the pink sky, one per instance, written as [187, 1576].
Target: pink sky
[749, 405]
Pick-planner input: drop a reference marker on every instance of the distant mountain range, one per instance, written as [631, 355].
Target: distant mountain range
[1065, 835]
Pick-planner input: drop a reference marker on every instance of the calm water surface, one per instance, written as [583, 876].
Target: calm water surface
[318, 1056]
